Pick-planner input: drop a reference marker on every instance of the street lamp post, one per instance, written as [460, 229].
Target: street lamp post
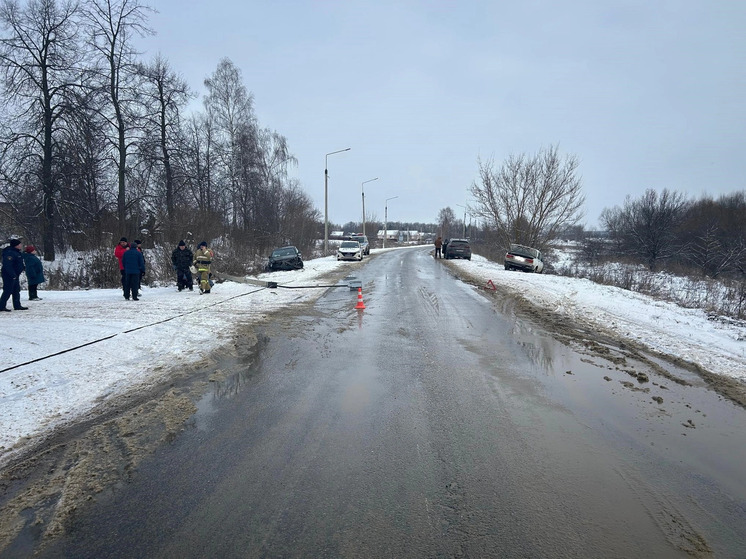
[386, 219]
[326, 198]
[363, 193]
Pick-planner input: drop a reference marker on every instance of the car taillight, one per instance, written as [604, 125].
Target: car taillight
[508, 255]
[530, 260]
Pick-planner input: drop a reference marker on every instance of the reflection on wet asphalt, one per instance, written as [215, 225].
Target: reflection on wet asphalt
[435, 423]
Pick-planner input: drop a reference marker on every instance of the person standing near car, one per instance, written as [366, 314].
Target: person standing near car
[11, 273]
[438, 245]
[134, 268]
[181, 258]
[34, 272]
[202, 261]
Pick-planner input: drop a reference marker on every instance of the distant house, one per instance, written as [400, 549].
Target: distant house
[337, 235]
[391, 234]
[410, 236]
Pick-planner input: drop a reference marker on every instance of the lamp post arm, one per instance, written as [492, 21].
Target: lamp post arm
[362, 190]
[326, 197]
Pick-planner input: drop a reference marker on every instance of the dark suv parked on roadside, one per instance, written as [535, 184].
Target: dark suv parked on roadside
[457, 248]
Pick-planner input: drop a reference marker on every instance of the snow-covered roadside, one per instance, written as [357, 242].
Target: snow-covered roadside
[718, 347]
[120, 344]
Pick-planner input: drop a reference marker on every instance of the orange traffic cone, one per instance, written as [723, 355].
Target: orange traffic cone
[360, 305]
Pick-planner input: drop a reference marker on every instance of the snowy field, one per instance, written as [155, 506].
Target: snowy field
[75, 349]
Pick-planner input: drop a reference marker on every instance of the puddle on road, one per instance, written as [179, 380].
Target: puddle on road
[234, 374]
[643, 402]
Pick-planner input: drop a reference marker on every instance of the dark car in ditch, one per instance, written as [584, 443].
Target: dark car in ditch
[285, 258]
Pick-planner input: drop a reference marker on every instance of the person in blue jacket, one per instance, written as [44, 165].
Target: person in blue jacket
[134, 267]
[11, 273]
[34, 272]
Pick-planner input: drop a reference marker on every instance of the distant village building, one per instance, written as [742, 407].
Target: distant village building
[401, 235]
[390, 234]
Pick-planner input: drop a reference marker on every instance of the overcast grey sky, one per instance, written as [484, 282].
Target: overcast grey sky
[647, 94]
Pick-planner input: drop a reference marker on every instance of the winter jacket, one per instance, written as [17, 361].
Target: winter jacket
[133, 262]
[12, 263]
[119, 251]
[203, 258]
[181, 259]
[34, 269]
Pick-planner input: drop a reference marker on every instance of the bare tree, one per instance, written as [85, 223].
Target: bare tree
[39, 54]
[298, 219]
[163, 97]
[194, 158]
[446, 220]
[231, 108]
[85, 199]
[113, 25]
[274, 159]
[713, 234]
[529, 199]
[647, 228]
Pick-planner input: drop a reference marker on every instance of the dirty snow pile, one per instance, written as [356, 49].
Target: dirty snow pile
[75, 349]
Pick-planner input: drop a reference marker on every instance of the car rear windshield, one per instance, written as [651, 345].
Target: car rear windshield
[524, 251]
[464, 243]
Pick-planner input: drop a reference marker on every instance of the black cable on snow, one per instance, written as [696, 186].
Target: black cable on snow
[269, 285]
[127, 331]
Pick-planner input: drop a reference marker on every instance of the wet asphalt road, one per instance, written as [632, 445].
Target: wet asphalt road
[435, 423]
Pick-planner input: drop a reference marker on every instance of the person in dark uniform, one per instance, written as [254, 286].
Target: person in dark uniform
[134, 268]
[12, 269]
[34, 272]
[181, 258]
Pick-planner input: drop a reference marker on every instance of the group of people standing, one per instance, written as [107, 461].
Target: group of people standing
[14, 264]
[131, 266]
[185, 263]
